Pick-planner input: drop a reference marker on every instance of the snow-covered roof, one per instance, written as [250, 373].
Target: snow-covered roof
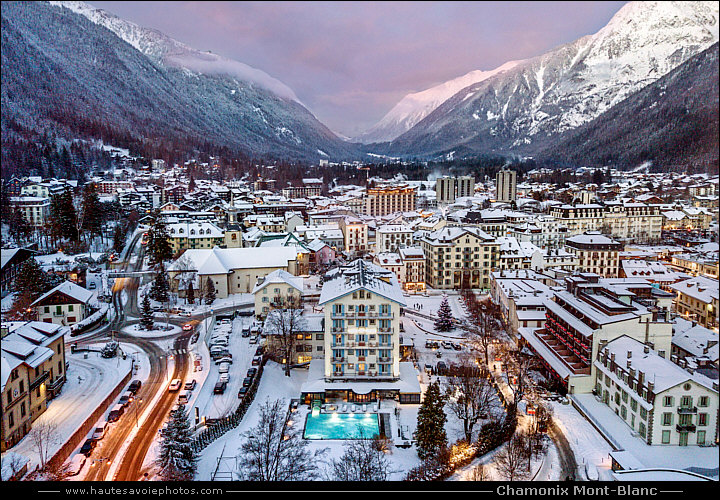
[700, 288]
[280, 276]
[225, 260]
[70, 289]
[315, 383]
[663, 373]
[698, 341]
[361, 275]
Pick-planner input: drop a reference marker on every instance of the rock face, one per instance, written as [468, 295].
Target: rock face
[521, 110]
[672, 123]
[72, 70]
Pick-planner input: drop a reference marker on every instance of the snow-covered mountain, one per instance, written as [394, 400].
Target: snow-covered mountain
[74, 71]
[170, 52]
[414, 107]
[522, 108]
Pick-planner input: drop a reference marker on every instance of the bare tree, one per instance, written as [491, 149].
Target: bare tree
[479, 473]
[484, 325]
[363, 460]
[43, 436]
[275, 451]
[282, 327]
[469, 394]
[511, 462]
[14, 463]
[517, 364]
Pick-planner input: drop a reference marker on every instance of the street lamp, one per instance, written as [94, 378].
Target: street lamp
[136, 411]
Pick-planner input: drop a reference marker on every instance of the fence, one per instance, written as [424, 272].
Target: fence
[225, 424]
[64, 452]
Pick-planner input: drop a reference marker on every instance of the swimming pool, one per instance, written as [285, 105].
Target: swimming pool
[341, 425]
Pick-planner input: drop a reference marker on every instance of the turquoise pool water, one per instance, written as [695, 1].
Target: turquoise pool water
[341, 425]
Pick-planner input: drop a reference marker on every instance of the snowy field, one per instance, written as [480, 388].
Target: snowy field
[88, 382]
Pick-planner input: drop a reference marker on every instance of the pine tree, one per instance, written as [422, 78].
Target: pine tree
[190, 294]
[177, 460]
[30, 283]
[92, 210]
[444, 321]
[160, 287]
[210, 292]
[158, 246]
[146, 321]
[430, 434]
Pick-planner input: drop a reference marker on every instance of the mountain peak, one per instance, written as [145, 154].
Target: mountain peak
[170, 52]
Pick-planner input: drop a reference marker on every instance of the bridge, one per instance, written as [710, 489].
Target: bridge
[130, 274]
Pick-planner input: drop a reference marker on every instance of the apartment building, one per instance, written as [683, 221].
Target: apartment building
[506, 185]
[521, 296]
[277, 289]
[457, 257]
[34, 209]
[587, 313]
[448, 189]
[697, 300]
[187, 235]
[355, 232]
[309, 338]
[663, 403]
[413, 259]
[391, 237]
[626, 220]
[390, 198]
[596, 253]
[33, 372]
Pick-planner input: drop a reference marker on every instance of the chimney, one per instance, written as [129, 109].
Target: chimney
[629, 363]
[641, 378]
[629, 354]
[651, 387]
[646, 349]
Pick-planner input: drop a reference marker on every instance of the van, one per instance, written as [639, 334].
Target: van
[184, 397]
[116, 413]
[99, 432]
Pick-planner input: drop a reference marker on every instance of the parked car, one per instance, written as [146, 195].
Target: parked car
[92, 285]
[456, 346]
[245, 312]
[246, 331]
[251, 372]
[190, 386]
[256, 360]
[175, 385]
[126, 398]
[134, 386]
[185, 313]
[184, 397]
[220, 388]
[242, 392]
[259, 351]
[254, 339]
[99, 431]
[76, 464]
[247, 381]
[116, 413]
[447, 344]
[224, 368]
[224, 359]
[224, 377]
[88, 447]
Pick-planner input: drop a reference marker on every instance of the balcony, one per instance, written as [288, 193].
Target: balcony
[39, 380]
[687, 410]
[384, 360]
[337, 374]
[685, 427]
[386, 345]
[338, 360]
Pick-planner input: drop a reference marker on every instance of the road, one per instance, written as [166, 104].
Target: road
[115, 445]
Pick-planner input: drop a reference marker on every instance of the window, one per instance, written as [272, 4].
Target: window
[641, 429]
[665, 437]
[668, 401]
[633, 405]
[703, 401]
[702, 419]
[686, 401]
[701, 437]
[643, 414]
[667, 418]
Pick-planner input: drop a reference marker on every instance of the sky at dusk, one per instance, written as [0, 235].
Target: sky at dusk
[351, 62]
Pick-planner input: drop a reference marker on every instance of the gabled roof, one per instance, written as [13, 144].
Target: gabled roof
[280, 276]
[69, 289]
